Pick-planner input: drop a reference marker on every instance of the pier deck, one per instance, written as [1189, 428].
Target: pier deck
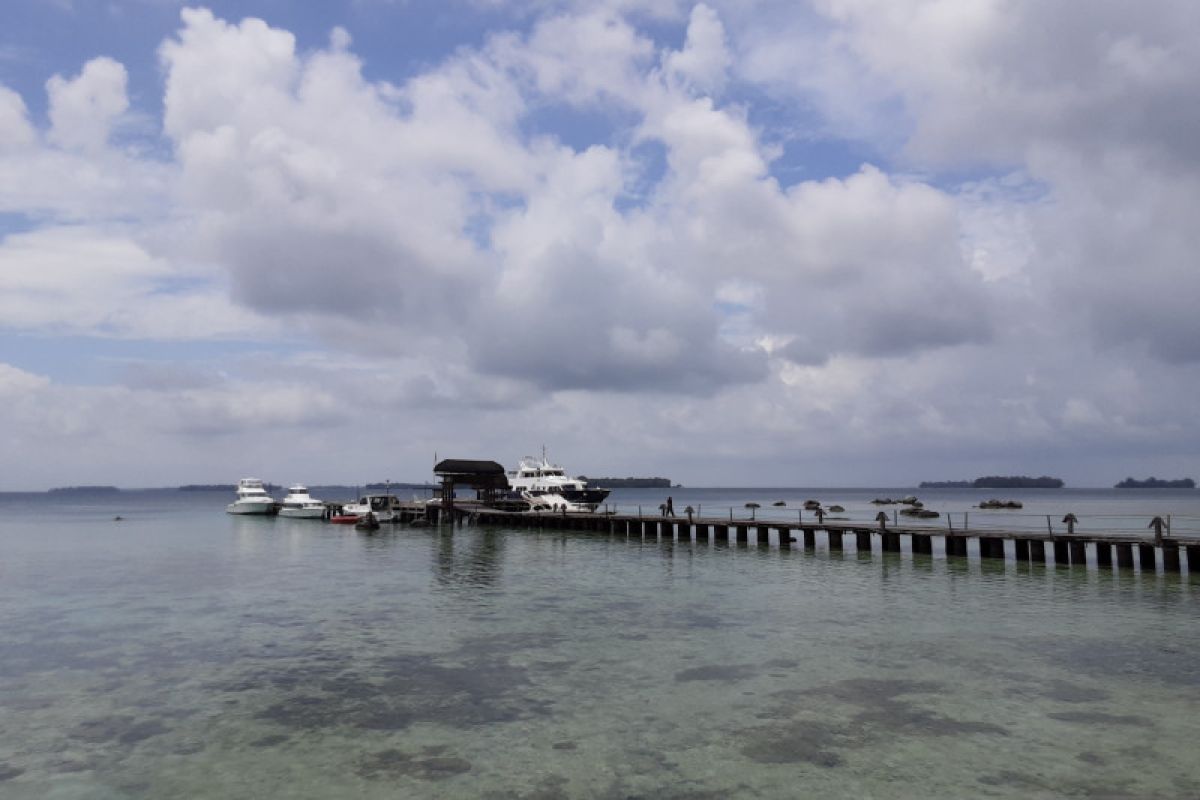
[1108, 549]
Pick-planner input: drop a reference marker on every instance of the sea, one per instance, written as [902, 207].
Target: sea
[152, 646]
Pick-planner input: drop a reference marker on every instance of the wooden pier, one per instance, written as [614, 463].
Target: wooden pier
[1023, 546]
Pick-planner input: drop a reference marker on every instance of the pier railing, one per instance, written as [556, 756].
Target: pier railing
[967, 520]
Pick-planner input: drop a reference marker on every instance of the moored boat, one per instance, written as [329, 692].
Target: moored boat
[385, 508]
[252, 498]
[546, 486]
[300, 505]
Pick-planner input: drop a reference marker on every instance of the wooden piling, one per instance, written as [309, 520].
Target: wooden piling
[1061, 553]
[1171, 557]
[1037, 551]
[922, 543]
[1103, 555]
[862, 541]
[991, 547]
[1146, 557]
[835, 540]
[1124, 555]
[701, 534]
[891, 542]
[764, 535]
[1193, 558]
[721, 532]
[810, 539]
[743, 533]
[1021, 549]
[1079, 553]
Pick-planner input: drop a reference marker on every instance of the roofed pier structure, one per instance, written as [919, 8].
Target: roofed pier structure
[485, 477]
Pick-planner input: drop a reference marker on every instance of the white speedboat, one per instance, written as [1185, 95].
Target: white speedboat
[546, 486]
[384, 507]
[300, 505]
[252, 498]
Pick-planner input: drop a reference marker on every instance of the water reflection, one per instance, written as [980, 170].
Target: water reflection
[468, 558]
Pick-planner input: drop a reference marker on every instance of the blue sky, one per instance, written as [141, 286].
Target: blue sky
[871, 243]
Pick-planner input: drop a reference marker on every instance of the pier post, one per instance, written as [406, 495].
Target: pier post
[922, 543]
[701, 534]
[1146, 557]
[891, 542]
[666, 529]
[835, 540]
[1124, 555]
[990, 547]
[1193, 558]
[764, 535]
[1021, 549]
[1037, 551]
[743, 535]
[810, 539]
[1079, 553]
[1061, 553]
[721, 532]
[1104, 555]
[862, 540]
[1171, 557]
[649, 529]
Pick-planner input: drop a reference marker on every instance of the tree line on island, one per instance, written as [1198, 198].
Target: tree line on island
[627, 483]
[998, 482]
[1156, 483]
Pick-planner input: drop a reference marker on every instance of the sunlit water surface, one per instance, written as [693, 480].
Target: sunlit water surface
[181, 652]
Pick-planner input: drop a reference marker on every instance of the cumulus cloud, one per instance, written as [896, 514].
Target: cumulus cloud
[443, 249]
[86, 281]
[83, 108]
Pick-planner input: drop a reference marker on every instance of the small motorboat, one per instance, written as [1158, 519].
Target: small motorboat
[300, 505]
[384, 507]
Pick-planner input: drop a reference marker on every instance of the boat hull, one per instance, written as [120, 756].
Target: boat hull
[303, 513]
[251, 508]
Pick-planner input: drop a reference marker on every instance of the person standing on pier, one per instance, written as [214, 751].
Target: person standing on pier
[669, 511]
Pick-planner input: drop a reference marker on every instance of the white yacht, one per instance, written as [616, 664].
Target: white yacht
[546, 486]
[299, 504]
[252, 498]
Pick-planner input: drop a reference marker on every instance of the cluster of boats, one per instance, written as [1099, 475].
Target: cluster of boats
[537, 483]
[252, 498]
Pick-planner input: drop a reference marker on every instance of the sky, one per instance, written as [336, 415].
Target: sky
[732, 243]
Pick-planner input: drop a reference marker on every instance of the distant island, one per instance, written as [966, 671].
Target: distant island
[209, 487]
[627, 483]
[84, 490]
[997, 482]
[1156, 483]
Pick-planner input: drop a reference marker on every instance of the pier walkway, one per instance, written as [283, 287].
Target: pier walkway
[1153, 549]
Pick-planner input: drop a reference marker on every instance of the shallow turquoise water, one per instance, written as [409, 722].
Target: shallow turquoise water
[182, 652]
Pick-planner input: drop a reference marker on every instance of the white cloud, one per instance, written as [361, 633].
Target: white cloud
[453, 254]
[85, 281]
[15, 130]
[84, 108]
